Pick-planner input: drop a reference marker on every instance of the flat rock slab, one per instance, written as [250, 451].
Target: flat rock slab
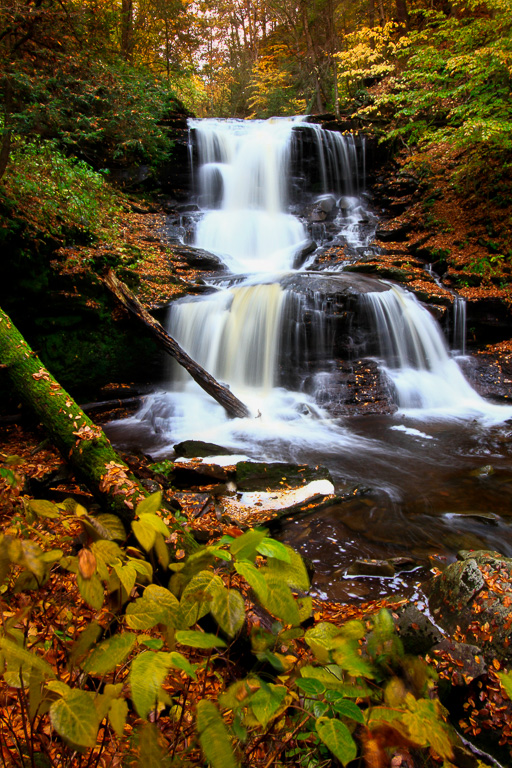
[257, 507]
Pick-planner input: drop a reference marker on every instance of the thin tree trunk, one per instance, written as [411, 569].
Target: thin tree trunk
[233, 406]
[5, 148]
[82, 443]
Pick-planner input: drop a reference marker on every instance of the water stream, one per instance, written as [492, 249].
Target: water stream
[437, 471]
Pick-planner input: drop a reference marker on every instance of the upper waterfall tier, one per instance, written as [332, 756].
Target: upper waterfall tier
[243, 178]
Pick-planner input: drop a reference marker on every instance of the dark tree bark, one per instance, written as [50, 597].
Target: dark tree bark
[232, 405]
[82, 443]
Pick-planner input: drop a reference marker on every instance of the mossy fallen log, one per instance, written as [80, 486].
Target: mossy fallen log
[232, 405]
[82, 443]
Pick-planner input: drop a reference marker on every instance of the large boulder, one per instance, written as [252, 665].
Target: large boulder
[472, 600]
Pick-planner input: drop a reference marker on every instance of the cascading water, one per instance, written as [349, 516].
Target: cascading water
[268, 336]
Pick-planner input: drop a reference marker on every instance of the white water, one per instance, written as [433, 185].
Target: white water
[244, 169]
[426, 379]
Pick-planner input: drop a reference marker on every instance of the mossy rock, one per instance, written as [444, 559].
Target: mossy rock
[197, 449]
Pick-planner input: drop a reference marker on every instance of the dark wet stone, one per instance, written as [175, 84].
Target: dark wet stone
[417, 632]
[303, 253]
[255, 476]
[370, 568]
[474, 597]
[194, 449]
[199, 259]
[468, 660]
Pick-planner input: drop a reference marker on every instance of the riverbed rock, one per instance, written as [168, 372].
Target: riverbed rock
[473, 597]
[417, 631]
[370, 567]
[191, 449]
[259, 476]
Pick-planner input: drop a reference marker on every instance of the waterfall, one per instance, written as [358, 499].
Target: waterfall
[416, 356]
[243, 189]
[459, 325]
[233, 333]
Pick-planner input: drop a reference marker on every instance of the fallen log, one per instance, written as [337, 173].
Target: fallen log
[82, 443]
[232, 405]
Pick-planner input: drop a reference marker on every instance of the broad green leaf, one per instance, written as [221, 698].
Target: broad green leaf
[199, 639]
[166, 602]
[150, 504]
[222, 554]
[347, 655]
[293, 571]
[142, 567]
[333, 682]
[228, 610]
[127, 575]
[109, 654]
[144, 534]
[427, 727]
[214, 736]
[108, 551]
[17, 656]
[274, 549]
[238, 694]
[310, 686]
[147, 673]
[346, 708]
[244, 547]
[117, 714]
[75, 718]
[52, 556]
[181, 662]
[266, 701]
[155, 522]
[305, 606]
[43, 508]
[113, 524]
[91, 590]
[280, 601]
[86, 640]
[197, 596]
[145, 613]
[506, 682]
[337, 737]
[254, 578]
[151, 754]
[162, 551]
[32, 559]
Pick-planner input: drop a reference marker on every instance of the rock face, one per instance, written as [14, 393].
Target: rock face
[472, 598]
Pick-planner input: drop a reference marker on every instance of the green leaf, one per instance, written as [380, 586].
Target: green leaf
[275, 549]
[162, 551]
[16, 655]
[332, 681]
[155, 522]
[150, 504]
[181, 662]
[266, 701]
[199, 639]
[244, 547]
[214, 736]
[427, 727]
[108, 551]
[293, 571]
[337, 737]
[43, 508]
[254, 578]
[145, 613]
[166, 602]
[310, 686]
[117, 714]
[345, 708]
[151, 754]
[91, 590]
[127, 575]
[347, 655]
[144, 534]
[75, 719]
[113, 524]
[228, 610]
[506, 682]
[109, 654]
[197, 596]
[147, 673]
[280, 601]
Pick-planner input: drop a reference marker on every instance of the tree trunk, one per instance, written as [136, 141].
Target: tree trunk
[233, 406]
[5, 147]
[82, 443]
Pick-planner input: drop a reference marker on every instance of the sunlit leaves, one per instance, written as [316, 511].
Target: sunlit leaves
[228, 609]
[109, 654]
[148, 672]
[337, 737]
[75, 718]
